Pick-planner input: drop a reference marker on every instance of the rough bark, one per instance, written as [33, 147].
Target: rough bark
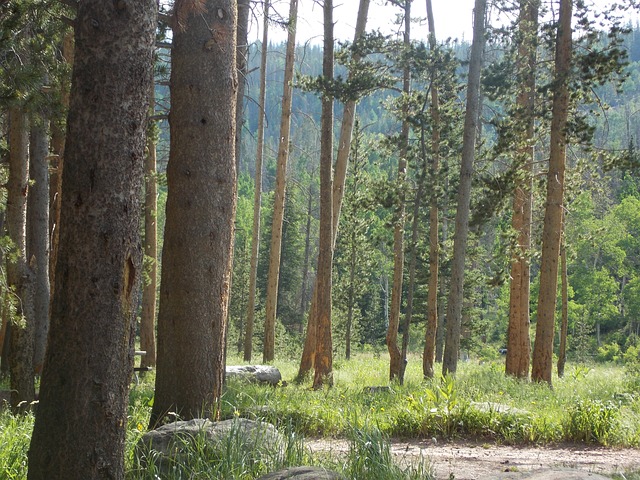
[149, 295]
[552, 228]
[88, 364]
[518, 341]
[340, 175]
[198, 241]
[429, 353]
[323, 365]
[456, 287]
[38, 236]
[396, 361]
[268, 353]
[19, 274]
[257, 193]
[562, 352]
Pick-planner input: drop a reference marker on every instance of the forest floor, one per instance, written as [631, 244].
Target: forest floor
[486, 461]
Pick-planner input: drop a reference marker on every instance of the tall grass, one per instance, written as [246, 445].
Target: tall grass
[592, 404]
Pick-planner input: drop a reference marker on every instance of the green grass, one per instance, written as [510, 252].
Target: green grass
[594, 404]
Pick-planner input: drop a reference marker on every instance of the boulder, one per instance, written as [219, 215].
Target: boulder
[255, 373]
[172, 443]
[303, 473]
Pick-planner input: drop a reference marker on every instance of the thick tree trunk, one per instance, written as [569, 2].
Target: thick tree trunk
[148, 317]
[396, 362]
[456, 287]
[38, 237]
[323, 374]
[562, 353]
[268, 353]
[552, 228]
[19, 274]
[88, 364]
[428, 356]
[198, 241]
[257, 194]
[518, 341]
[340, 175]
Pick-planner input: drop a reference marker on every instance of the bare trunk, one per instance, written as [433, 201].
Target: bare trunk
[323, 374]
[257, 193]
[518, 341]
[562, 353]
[148, 317]
[242, 49]
[552, 229]
[268, 353]
[429, 354]
[198, 241]
[88, 364]
[38, 237]
[19, 274]
[442, 285]
[340, 173]
[396, 361]
[456, 287]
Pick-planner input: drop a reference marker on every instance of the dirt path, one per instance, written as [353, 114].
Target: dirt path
[484, 461]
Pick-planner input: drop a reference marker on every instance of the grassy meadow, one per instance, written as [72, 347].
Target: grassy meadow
[593, 404]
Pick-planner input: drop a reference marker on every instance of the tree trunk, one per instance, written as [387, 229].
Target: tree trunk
[396, 361]
[323, 374]
[442, 284]
[340, 175]
[268, 353]
[241, 62]
[57, 165]
[201, 202]
[38, 237]
[456, 287]
[149, 291]
[562, 353]
[552, 228]
[19, 274]
[88, 364]
[518, 341]
[428, 356]
[257, 194]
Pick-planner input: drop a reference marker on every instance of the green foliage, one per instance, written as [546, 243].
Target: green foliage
[15, 434]
[592, 421]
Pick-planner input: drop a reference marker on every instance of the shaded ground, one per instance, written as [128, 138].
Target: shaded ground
[484, 461]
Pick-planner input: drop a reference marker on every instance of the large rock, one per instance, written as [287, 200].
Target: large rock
[303, 473]
[171, 444]
[255, 373]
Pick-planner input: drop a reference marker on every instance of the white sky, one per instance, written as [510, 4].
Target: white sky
[453, 18]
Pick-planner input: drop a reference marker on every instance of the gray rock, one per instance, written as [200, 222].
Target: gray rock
[172, 443]
[255, 373]
[303, 473]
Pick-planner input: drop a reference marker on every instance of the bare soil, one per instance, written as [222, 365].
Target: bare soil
[485, 461]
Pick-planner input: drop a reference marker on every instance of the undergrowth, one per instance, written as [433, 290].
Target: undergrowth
[591, 404]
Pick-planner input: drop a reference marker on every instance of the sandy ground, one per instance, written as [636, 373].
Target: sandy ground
[484, 461]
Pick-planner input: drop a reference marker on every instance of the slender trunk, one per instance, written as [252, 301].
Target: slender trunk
[242, 48]
[431, 331]
[19, 274]
[396, 361]
[148, 316]
[562, 353]
[456, 287]
[38, 237]
[552, 229]
[89, 358]
[307, 260]
[323, 365]
[518, 341]
[280, 191]
[340, 175]
[57, 166]
[201, 203]
[442, 284]
[257, 193]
